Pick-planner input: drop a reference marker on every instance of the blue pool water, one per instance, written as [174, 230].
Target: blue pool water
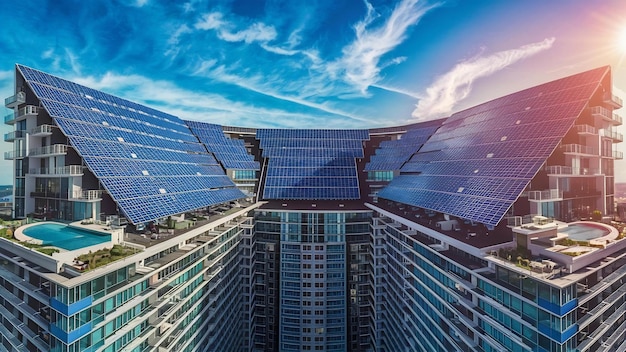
[65, 237]
[583, 232]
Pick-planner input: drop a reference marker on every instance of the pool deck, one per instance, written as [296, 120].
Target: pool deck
[22, 237]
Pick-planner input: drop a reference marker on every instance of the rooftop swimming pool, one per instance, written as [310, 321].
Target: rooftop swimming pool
[65, 237]
[584, 232]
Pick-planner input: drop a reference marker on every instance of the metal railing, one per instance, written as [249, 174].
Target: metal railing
[548, 194]
[578, 149]
[612, 98]
[568, 170]
[606, 114]
[18, 98]
[87, 195]
[50, 149]
[586, 129]
[618, 155]
[27, 110]
[41, 129]
[63, 170]
[613, 135]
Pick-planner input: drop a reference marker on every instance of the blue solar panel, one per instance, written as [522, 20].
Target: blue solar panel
[231, 153]
[480, 160]
[148, 161]
[391, 155]
[312, 164]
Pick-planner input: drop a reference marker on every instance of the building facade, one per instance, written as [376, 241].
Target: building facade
[469, 233]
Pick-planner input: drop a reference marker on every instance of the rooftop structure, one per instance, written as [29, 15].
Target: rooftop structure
[489, 230]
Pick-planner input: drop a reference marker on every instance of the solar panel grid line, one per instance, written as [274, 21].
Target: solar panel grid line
[231, 153]
[481, 159]
[32, 75]
[89, 147]
[81, 101]
[156, 151]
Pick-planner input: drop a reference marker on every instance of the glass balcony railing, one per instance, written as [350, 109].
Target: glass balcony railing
[73, 170]
[586, 129]
[613, 100]
[49, 150]
[14, 154]
[606, 114]
[15, 100]
[617, 137]
[9, 119]
[550, 194]
[579, 149]
[568, 170]
[13, 135]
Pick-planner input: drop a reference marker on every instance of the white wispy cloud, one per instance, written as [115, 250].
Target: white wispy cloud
[175, 37]
[256, 32]
[359, 65]
[450, 88]
[259, 84]
[196, 105]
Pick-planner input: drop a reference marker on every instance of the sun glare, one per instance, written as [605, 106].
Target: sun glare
[622, 40]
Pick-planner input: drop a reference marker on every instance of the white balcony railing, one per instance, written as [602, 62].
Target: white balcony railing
[87, 195]
[72, 170]
[618, 155]
[41, 130]
[28, 110]
[48, 150]
[579, 149]
[15, 100]
[547, 195]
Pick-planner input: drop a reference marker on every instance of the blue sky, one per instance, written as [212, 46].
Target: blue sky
[323, 64]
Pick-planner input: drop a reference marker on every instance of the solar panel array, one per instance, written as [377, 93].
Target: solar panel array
[148, 161]
[391, 155]
[311, 164]
[231, 153]
[481, 159]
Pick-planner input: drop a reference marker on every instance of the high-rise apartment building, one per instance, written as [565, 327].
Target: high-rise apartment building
[489, 230]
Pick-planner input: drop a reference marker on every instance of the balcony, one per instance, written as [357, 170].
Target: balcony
[50, 150]
[618, 155]
[568, 170]
[15, 100]
[616, 137]
[546, 195]
[578, 149]
[9, 119]
[11, 136]
[585, 129]
[612, 100]
[87, 195]
[26, 111]
[14, 154]
[41, 131]
[606, 114]
[71, 170]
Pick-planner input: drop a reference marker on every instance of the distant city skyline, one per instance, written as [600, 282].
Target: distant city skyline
[348, 64]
